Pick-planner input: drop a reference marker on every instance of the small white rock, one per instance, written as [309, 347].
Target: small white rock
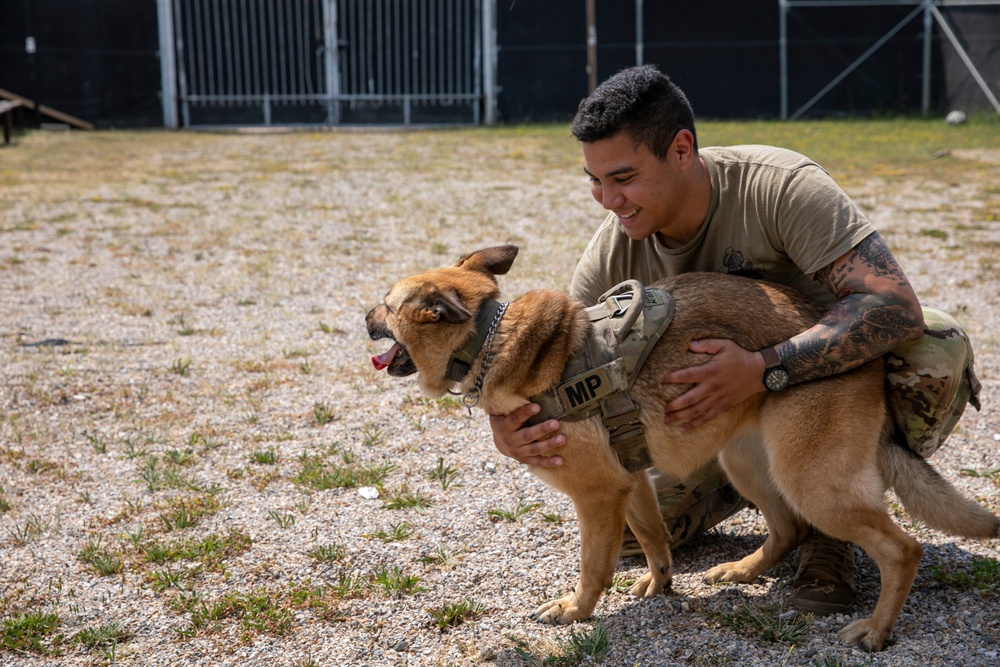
[368, 492]
[955, 117]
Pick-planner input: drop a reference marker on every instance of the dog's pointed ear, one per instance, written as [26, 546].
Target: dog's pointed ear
[438, 306]
[496, 260]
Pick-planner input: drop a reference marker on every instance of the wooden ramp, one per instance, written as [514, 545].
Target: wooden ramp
[47, 111]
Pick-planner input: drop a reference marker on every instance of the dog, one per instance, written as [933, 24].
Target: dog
[818, 454]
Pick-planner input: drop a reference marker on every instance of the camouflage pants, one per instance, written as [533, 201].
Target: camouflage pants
[929, 381]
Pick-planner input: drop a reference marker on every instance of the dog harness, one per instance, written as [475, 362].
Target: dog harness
[627, 321]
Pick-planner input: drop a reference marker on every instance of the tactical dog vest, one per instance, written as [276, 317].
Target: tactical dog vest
[627, 321]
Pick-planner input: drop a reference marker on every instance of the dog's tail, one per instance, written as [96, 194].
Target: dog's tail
[930, 498]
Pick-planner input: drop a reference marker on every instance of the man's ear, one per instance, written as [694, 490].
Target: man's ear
[438, 306]
[496, 260]
[682, 148]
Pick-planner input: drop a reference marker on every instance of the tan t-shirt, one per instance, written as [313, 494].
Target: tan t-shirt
[774, 214]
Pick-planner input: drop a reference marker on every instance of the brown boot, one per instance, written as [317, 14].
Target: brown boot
[824, 582]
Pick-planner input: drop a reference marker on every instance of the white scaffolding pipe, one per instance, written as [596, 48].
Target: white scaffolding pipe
[489, 60]
[331, 61]
[929, 9]
[168, 63]
[950, 34]
[853, 66]
[640, 40]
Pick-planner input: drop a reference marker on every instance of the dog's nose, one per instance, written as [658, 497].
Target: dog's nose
[376, 324]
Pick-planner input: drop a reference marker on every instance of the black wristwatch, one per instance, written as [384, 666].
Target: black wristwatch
[775, 375]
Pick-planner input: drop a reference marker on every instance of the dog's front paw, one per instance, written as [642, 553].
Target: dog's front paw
[563, 611]
[866, 634]
[650, 586]
[729, 573]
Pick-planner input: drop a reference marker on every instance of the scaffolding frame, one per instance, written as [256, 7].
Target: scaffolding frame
[931, 14]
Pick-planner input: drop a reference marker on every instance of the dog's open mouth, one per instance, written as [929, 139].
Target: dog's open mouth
[396, 359]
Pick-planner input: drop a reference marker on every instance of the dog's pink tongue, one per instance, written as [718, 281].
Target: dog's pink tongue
[382, 360]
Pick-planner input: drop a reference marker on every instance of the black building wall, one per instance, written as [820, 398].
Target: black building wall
[724, 54]
[96, 59]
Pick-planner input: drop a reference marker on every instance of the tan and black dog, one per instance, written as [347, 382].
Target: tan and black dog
[816, 454]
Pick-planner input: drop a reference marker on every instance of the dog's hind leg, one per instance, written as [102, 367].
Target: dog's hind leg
[643, 516]
[897, 556]
[601, 515]
[745, 464]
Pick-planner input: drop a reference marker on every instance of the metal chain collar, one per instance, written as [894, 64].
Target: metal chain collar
[471, 397]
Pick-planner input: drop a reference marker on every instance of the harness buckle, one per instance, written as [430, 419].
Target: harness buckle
[615, 422]
[622, 302]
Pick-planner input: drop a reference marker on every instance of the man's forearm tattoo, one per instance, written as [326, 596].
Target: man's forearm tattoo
[862, 326]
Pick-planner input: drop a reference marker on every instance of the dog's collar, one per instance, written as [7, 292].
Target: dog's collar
[461, 362]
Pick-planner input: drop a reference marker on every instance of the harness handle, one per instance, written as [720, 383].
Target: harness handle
[628, 304]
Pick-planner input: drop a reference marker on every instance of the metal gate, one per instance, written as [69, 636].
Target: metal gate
[327, 62]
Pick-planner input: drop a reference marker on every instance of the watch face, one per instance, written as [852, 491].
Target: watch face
[776, 380]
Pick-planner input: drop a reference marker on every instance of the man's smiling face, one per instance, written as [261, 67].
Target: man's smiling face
[646, 193]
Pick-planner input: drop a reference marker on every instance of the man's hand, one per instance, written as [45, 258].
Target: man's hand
[527, 444]
[730, 377]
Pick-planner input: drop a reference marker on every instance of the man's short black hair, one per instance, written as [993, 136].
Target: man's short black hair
[641, 101]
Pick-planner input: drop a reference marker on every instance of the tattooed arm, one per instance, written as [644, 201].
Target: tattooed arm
[876, 311]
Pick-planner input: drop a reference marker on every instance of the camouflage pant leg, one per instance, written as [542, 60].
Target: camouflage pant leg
[693, 506]
[929, 381]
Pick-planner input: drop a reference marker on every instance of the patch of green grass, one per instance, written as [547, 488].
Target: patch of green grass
[26, 632]
[180, 458]
[886, 147]
[934, 234]
[326, 553]
[151, 474]
[826, 660]
[265, 457]
[257, 613]
[106, 561]
[621, 583]
[209, 551]
[981, 574]
[33, 528]
[323, 413]
[990, 474]
[181, 513]
[399, 532]
[446, 475]
[100, 445]
[515, 513]
[283, 519]
[161, 580]
[772, 624]
[581, 647]
[372, 435]
[349, 584]
[320, 600]
[132, 449]
[181, 366]
[319, 474]
[440, 556]
[104, 638]
[407, 498]
[395, 582]
[453, 614]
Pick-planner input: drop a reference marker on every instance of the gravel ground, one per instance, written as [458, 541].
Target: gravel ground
[198, 465]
